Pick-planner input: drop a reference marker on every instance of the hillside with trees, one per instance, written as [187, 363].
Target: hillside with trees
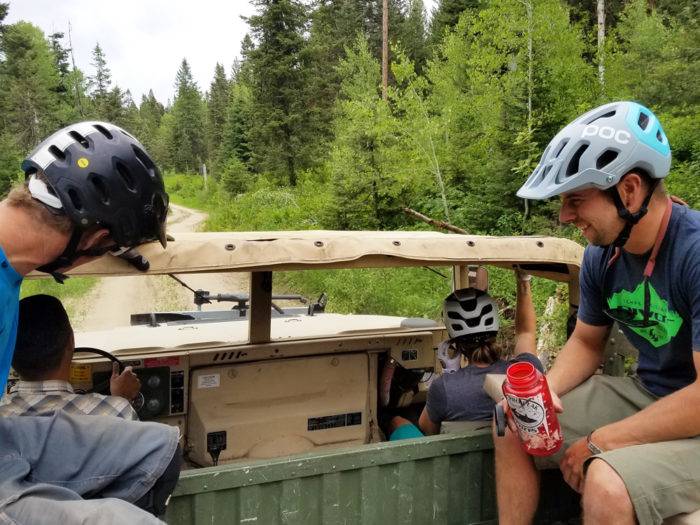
[296, 135]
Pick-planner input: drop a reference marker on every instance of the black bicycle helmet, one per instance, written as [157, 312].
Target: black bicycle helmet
[102, 176]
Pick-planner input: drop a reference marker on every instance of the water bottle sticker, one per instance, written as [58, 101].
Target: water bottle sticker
[528, 412]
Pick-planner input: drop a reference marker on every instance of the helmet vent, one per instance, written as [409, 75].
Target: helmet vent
[126, 176]
[572, 168]
[659, 136]
[79, 138]
[454, 315]
[606, 158]
[103, 130]
[604, 115]
[560, 147]
[488, 322]
[643, 120]
[56, 152]
[144, 158]
[75, 199]
[100, 187]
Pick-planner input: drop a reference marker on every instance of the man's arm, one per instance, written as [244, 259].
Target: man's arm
[579, 359]
[675, 416]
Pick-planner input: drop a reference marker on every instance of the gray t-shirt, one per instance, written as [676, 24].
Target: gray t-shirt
[665, 350]
[460, 396]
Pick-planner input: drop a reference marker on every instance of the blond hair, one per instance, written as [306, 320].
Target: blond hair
[19, 197]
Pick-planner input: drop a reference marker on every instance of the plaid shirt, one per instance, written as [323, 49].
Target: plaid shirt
[42, 398]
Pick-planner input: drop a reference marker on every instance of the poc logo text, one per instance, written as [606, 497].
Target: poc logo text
[606, 132]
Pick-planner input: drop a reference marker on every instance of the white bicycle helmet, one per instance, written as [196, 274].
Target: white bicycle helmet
[470, 313]
[598, 148]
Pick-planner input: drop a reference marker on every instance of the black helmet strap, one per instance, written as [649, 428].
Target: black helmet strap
[631, 219]
[70, 255]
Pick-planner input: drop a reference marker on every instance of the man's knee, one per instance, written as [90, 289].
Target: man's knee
[155, 500]
[605, 494]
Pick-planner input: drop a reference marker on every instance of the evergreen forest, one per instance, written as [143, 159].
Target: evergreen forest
[298, 134]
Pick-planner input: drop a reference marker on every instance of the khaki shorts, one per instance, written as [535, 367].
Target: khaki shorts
[662, 479]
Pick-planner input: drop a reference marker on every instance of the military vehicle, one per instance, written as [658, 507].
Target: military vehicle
[278, 406]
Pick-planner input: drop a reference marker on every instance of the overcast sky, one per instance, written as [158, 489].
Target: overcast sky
[145, 40]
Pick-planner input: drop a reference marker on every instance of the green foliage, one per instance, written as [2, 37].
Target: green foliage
[67, 292]
[410, 292]
[234, 176]
[654, 59]
[30, 107]
[446, 15]
[188, 190]
[10, 159]
[234, 140]
[277, 71]
[217, 105]
[187, 141]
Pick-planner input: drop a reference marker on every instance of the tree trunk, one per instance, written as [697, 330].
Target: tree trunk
[385, 48]
[601, 44]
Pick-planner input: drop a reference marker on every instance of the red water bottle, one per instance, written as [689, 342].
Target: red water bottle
[530, 402]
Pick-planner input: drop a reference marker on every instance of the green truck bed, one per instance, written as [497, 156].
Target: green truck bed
[442, 479]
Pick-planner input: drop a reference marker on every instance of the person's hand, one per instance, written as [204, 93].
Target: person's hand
[521, 275]
[571, 464]
[450, 359]
[126, 384]
[556, 402]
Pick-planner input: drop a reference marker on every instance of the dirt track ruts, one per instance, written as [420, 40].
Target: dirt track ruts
[110, 303]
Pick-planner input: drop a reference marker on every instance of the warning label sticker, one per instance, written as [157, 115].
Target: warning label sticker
[209, 381]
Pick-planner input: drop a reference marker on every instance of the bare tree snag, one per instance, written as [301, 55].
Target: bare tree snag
[435, 223]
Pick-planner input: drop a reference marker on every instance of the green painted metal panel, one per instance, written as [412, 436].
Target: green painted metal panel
[445, 480]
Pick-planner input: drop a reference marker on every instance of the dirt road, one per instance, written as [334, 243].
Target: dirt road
[114, 299]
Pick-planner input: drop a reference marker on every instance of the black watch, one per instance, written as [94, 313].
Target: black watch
[594, 449]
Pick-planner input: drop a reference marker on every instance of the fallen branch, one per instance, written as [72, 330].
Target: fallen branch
[435, 223]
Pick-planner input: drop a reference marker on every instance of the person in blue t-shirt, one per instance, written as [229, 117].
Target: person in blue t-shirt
[631, 443]
[471, 318]
[89, 189]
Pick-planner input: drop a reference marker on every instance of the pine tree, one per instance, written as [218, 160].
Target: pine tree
[187, 144]
[412, 37]
[102, 80]
[105, 102]
[216, 111]
[446, 16]
[278, 80]
[150, 113]
[4, 9]
[29, 104]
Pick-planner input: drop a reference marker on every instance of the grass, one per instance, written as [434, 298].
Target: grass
[69, 292]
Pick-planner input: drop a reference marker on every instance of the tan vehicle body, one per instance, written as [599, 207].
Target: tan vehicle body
[278, 386]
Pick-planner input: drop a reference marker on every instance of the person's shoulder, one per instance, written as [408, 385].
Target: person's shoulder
[439, 382]
[687, 232]
[593, 254]
[528, 358]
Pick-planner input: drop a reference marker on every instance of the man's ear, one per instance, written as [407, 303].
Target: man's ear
[631, 191]
[94, 239]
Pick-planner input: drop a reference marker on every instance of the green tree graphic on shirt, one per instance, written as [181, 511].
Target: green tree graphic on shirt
[668, 322]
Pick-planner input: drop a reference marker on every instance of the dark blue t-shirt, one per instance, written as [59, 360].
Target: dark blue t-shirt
[10, 281]
[460, 396]
[665, 350]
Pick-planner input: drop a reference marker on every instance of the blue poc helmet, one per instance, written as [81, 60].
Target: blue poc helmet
[599, 148]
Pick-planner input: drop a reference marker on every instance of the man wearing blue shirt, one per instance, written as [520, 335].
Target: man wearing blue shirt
[90, 189]
[631, 443]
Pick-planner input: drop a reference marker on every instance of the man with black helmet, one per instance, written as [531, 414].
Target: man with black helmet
[90, 188]
[631, 444]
